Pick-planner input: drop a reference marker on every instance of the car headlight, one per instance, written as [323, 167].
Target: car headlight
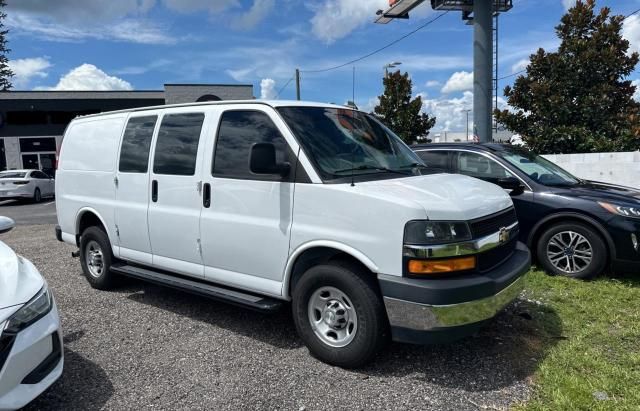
[35, 309]
[625, 211]
[436, 232]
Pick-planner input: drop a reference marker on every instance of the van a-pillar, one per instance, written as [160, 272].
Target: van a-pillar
[482, 68]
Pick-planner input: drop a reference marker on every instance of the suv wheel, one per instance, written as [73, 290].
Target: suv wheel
[96, 258]
[572, 250]
[340, 315]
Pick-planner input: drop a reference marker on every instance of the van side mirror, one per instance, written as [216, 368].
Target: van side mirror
[6, 224]
[262, 160]
[510, 183]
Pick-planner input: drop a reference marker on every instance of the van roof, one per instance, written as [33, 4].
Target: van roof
[270, 103]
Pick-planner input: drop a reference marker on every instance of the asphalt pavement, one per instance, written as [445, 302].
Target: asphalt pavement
[28, 213]
[143, 346]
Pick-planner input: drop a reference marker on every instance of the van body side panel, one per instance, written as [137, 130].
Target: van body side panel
[86, 170]
[342, 214]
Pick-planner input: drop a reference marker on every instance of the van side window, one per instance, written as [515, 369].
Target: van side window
[134, 154]
[239, 131]
[177, 145]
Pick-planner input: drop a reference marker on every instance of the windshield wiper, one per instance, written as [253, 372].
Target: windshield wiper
[372, 168]
[415, 165]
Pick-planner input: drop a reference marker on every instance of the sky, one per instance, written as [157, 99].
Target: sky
[143, 44]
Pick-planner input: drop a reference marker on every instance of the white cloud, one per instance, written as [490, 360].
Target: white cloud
[190, 6]
[451, 113]
[631, 32]
[126, 30]
[28, 68]
[268, 89]
[520, 65]
[432, 83]
[258, 12]
[96, 11]
[335, 19]
[459, 81]
[89, 77]
[568, 4]
[636, 95]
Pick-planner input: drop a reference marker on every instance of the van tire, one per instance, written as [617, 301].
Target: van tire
[95, 241]
[362, 297]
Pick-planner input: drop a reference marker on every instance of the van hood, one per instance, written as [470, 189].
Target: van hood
[443, 196]
[19, 280]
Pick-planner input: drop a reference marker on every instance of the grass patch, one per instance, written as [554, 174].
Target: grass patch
[594, 364]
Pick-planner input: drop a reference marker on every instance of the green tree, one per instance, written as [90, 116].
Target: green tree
[399, 112]
[5, 72]
[578, 99]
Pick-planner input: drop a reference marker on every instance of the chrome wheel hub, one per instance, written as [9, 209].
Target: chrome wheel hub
[94, 259]
[569, 252]
[332, 316]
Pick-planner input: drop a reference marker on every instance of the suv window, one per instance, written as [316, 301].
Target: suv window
[239, 131]
[479, 166]
[134, 154]
[437, 160]
[177, 146]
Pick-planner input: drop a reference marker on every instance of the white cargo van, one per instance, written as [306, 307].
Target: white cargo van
[260, 203]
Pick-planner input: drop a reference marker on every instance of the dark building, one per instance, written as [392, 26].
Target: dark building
[32, 122]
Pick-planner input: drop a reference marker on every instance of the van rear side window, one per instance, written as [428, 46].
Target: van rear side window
[136, 143]
[177, 145]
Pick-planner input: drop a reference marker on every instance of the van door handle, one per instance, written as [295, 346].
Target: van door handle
[206, 195]
[154, 191]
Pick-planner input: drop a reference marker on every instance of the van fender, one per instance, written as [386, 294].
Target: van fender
[324, 244]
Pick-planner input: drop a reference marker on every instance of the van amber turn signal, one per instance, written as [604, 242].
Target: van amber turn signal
[441, 266]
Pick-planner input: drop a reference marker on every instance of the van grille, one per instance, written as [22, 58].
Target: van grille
[485, 226]
[496, 256]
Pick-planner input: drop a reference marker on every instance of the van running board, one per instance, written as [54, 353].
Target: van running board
[240, 298]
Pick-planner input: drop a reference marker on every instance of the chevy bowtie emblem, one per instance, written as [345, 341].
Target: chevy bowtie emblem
[503, 235]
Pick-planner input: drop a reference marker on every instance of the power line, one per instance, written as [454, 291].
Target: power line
[631, 14]
[283, 87]
[380, 49]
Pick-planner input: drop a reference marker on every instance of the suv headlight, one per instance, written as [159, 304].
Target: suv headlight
[436, 232]
[625, 211]
[35, 309]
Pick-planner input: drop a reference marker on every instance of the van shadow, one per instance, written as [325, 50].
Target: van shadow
[83, 385]
[276, 329]
[506, 351]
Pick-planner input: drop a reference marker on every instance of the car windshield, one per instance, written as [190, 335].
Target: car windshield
[340, 142]
[12, 175]
[540, 169]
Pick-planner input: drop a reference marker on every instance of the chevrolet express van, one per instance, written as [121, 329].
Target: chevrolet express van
[262, 203]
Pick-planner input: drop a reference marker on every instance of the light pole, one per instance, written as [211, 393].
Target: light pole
[467, 111]
[390, 65]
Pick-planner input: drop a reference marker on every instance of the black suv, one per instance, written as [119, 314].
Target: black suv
[574, 227]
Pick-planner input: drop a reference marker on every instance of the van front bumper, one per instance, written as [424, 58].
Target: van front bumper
[425, 311]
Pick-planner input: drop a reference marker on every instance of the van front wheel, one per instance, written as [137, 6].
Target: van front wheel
[96, 258]
[340, 315]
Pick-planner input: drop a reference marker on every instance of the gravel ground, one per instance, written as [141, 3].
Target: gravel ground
[147, 346]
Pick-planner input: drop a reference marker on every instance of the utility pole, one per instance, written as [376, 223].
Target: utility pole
[298, 84]
[482, 68]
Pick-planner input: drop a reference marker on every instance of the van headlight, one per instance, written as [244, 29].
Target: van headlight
[35, 309]
[436, 232]
[625, 211]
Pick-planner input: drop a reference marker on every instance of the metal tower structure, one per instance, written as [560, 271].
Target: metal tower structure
[485, 78]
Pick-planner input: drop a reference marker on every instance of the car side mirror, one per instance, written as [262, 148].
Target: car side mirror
[6, 224]
[511, 183]
[263, 160]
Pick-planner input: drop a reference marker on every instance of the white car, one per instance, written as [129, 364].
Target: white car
[258, 203]
[31, 353]
[26, 184]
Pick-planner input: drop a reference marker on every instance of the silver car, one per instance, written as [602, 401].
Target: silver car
[26, 184]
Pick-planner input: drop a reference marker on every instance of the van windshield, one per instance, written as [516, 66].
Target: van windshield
[340, 142]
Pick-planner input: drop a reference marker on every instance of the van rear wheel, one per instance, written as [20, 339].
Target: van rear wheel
[96, 258]
[339, 314]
